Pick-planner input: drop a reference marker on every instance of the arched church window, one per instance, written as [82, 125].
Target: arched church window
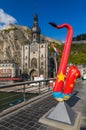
[34, 63]
[25, 64]
[41, 63]
[34, 36]
[41, 71]
[42, 56]
[52, 63]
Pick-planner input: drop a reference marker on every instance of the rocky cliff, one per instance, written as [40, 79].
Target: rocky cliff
[13, 37]
[11, 40]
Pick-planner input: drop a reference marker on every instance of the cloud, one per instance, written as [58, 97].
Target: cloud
[5, 19]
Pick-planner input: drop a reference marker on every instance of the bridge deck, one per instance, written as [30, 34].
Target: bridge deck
[27, 117]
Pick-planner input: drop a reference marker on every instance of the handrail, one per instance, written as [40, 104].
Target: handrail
[15, 93]
[24, 82]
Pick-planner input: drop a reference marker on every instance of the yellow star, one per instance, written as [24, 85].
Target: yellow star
[61, 77]
[75, 80]
[71, 85]
[72, 70]
[76, 74]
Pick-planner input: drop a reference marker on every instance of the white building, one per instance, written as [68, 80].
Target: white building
[36, 57]
[9, 69]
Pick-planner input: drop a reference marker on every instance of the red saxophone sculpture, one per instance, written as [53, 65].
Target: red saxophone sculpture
[64, 85]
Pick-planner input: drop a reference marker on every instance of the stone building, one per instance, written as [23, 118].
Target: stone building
[9, 69]
[36, 57]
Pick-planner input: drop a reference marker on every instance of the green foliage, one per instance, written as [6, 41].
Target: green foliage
[10, 29]
[77, 53]
[28, 31]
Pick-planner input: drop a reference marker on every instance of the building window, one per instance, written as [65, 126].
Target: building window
[34, 63]
[41, 46]
[25, 64]
[34, 36]
[41, 71]
[3, 71]
[41, 63]
[42, 56]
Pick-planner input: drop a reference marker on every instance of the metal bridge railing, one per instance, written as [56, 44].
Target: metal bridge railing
[16, 93]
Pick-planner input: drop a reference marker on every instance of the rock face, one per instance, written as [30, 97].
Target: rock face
[11, 40]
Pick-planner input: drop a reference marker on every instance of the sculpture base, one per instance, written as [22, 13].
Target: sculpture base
[62, 117]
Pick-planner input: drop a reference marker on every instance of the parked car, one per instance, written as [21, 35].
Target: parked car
[84, 76]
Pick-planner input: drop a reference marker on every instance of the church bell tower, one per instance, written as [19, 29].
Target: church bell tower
[36, 30]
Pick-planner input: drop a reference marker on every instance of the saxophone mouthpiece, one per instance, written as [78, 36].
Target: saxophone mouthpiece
[53, 24]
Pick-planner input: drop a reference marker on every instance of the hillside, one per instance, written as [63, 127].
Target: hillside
[11, 40]
[77, 54]
[14, 36]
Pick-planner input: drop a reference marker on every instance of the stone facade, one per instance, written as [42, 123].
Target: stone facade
[36, 57]
[9, 69]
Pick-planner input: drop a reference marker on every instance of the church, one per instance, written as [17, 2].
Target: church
[37, 59]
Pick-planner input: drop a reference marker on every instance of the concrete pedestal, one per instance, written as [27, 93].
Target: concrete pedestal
[62, 117]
